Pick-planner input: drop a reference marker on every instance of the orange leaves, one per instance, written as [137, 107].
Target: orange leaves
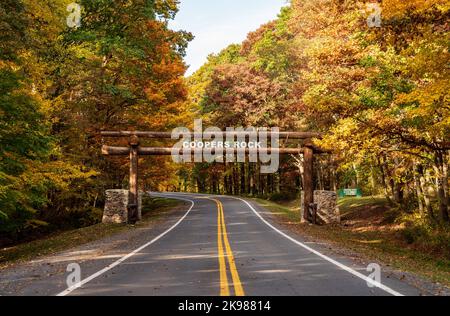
[239, 95]
[395, 8]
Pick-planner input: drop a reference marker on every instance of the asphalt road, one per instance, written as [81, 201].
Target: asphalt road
[226, 246]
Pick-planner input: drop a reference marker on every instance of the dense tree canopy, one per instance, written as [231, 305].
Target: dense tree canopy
[378, 93]
[60, 86]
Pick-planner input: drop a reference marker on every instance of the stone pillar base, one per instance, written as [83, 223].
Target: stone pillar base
[116, 207]
[140, 205]
[327, 208]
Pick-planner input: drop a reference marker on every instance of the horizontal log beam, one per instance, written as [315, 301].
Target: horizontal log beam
[168, 135]
[318, 150]
[150, 151]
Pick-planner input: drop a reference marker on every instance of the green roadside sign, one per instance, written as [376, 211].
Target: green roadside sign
[350, 192]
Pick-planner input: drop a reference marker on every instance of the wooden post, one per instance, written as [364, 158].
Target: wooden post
[308, 184]
[313, 208]
[134, 187]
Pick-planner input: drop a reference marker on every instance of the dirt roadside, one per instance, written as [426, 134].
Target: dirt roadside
[339, 241]
[24, 277]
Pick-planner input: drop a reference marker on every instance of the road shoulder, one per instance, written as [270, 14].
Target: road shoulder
[46, 275]
[277, 215]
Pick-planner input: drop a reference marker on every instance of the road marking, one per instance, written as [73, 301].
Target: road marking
[223, 240]
[128, 256]
[224, 288]
[340, 265]
[238, 290]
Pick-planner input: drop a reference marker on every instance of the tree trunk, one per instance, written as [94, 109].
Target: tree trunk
[319, 175]
[357, 180]
[373, 182]
[398, 192]
[257, 180]
[384, 180]
[333, 180]
[243, 177]
[248, 180]
[446, 167]
[252, 183]
[225, 184]
[419, 193]
[423, 187]
[441, 179]
[277, 181]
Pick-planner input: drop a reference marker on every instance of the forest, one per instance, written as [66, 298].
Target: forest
[378, 94]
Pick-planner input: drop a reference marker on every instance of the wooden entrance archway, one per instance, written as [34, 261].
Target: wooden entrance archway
[134, 150]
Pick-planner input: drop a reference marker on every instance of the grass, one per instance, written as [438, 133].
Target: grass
[364, 232]
[152, 210]
[349, 204]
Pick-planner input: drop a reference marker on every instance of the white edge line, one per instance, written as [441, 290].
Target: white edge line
[128, 256]
[340, 265]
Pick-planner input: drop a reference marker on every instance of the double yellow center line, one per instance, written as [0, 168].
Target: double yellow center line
[226, 252]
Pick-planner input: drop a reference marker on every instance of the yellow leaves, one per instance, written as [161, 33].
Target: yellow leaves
[429, 95]
[429, 110]
[393, 8]
[342, 137]
[34, 223]
[49, 18]
[429, 58]
[59, 174]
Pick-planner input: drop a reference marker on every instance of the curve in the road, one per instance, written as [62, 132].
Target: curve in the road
[225, 253]
[340, 265]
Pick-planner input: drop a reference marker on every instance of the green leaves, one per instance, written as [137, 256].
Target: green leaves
[13, 25]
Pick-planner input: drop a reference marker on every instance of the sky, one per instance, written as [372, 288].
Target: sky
[219, 23]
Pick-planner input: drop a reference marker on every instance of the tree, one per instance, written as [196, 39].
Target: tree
[380, 95]
[59, 87]
[30, 161]
[123, 68]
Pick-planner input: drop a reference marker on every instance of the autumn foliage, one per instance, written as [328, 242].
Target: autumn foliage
[380, 95]
[60, 86]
